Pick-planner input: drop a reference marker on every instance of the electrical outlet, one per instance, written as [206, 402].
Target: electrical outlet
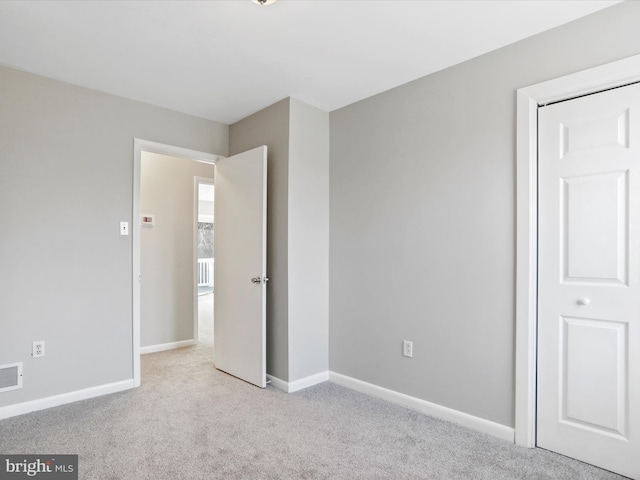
[38, 349]
[407, 348]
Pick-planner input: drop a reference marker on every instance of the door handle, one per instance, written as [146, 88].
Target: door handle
[259, 280]
[583, 301]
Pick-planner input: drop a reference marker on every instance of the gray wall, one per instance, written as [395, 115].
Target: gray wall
[297, 137]
[308, 240]
[270, 127]
[423, 219]
[167, 249]
[66, 174]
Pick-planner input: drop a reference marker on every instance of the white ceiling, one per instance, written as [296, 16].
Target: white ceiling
[225, 59]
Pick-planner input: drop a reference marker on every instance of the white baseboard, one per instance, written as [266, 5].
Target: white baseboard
[278, 383]
[64, 398]
[166, 346]
[301, 384]
[432, 409]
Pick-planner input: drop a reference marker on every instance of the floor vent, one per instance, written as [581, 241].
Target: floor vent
[10, 376]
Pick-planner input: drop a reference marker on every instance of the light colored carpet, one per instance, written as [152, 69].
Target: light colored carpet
[190, 421]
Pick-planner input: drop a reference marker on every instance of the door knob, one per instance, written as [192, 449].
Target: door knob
[583, 301]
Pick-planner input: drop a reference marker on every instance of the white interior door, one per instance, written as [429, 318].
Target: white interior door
[589, 279]
[240, 241]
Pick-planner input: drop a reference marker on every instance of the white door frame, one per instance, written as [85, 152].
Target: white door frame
[196, 208]
[588, 81]
[140, 146]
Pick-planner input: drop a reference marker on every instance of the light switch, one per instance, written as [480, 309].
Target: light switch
[124, 228]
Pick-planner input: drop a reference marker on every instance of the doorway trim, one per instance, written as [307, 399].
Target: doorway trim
[595, 79]
[139, 146]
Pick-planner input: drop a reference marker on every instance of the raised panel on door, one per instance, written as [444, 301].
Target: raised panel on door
[595, 227]
[588, 399]
[594, 375]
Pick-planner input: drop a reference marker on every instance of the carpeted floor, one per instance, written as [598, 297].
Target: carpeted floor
[190, 421]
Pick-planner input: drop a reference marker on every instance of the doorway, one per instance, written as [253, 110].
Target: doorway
[140, 147]
[204, 256]
[601, 78]
[240, 239]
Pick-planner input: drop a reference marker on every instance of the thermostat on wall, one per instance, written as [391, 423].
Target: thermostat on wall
[148, 220]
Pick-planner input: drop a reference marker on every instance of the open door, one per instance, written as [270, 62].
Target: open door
[240, 243]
